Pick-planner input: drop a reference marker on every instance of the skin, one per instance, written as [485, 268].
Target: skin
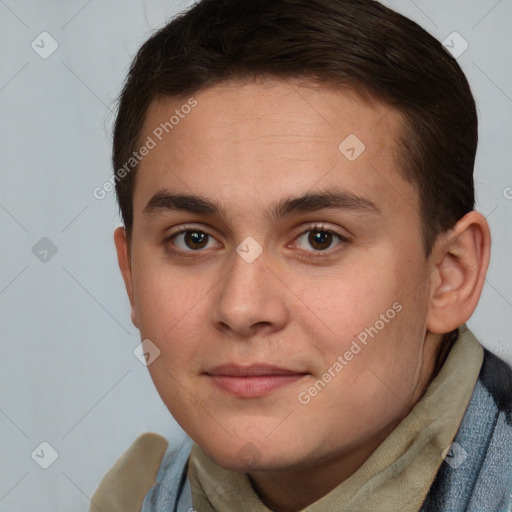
[298, 305]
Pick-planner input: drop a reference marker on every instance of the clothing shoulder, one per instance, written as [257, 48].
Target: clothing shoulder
[172, 488]
[125, 485]
[496, 377]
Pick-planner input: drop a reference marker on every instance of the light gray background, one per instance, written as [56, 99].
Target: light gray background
[68, 375]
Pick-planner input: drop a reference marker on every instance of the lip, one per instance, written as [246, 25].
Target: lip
[252, 381]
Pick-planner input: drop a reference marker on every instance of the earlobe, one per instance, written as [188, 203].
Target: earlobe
[461, 259]
[123, 259]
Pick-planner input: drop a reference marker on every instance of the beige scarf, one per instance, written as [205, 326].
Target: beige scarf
[396, 477]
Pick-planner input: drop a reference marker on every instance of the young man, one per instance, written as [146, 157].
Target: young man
[301, 255]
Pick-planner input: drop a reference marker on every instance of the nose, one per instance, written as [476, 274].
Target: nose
[250, 299]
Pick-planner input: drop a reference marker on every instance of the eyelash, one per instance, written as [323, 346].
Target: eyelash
[311, 227]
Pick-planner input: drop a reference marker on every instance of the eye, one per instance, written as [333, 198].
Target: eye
[320, 238]
[192, 240]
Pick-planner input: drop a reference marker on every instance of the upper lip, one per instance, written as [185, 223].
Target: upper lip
[234, 370]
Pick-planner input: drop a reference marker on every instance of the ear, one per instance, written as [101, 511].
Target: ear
[123, 258]
[461, 258]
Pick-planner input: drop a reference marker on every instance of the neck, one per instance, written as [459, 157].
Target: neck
[293, 490]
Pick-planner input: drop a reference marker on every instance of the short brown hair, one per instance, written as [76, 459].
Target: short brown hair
[357, 43]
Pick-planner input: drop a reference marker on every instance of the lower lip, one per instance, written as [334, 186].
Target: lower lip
[254, 385]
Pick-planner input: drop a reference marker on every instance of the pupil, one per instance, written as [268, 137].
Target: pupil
[195, 239]
[320, 238]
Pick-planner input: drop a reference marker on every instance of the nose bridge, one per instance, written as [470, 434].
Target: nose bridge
[249, 294]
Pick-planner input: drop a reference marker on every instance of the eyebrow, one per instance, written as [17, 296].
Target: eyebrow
[164, 200]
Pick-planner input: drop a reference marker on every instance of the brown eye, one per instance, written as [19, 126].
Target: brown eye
[195, 239]
[191, 240]
[319, 239]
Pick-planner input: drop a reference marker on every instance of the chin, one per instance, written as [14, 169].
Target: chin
[247, 456]
[247, 460]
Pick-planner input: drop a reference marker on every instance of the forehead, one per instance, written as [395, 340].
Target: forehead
[271, 139]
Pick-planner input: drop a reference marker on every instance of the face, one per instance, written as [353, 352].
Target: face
[287, 291]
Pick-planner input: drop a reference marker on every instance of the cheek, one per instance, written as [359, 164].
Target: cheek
[374, 318]
[163, 297]
[384, 373]
[167, 310]
[346, 301]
